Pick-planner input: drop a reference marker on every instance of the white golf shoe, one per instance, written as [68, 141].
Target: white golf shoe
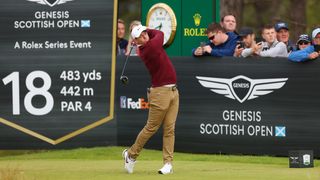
[128, 163]
[166, 169]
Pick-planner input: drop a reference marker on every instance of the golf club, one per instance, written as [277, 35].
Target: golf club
[124, 79]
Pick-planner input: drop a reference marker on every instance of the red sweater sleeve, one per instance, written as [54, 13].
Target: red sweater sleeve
[156, 38]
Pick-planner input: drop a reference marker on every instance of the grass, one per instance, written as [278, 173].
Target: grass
[11, 173]
[106, 163]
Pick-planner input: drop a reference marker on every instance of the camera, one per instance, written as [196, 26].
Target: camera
[316, 48]
[241, 44]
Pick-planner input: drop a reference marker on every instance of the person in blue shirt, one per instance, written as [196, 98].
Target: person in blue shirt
[309, 53]
[221, 43]
[303, 41]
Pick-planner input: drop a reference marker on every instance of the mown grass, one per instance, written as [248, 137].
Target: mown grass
[106, 163]
[112, 153]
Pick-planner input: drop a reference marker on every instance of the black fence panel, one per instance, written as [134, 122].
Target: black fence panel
[228, 105]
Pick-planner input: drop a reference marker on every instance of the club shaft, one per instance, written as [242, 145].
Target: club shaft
[125, 63]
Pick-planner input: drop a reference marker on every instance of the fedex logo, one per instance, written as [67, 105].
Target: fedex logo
[129, 103]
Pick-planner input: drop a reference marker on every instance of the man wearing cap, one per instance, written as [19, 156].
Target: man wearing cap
[309, 53]
[283, 35]
[221, 43]
[248, 41]
[163, 97]
[303, 41]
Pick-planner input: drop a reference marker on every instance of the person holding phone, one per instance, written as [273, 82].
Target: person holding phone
[247, 46]
[271, 47]
[220, 43]
[311, 52]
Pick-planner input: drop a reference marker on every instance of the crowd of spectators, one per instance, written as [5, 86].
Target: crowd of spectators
[275, 42]
[224, 40]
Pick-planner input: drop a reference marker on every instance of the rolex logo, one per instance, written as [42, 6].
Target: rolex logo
[197, 19]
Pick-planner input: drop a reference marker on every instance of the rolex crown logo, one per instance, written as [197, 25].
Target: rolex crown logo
[197, 19]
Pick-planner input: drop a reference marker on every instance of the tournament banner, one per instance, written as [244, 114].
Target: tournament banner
[263, 106]
[57, 73]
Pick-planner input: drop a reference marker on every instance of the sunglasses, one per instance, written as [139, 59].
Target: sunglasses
[211, 38]
[303, 43]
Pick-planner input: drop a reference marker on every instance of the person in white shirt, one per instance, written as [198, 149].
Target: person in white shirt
[271, 47]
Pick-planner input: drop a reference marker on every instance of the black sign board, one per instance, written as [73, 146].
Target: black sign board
[56, 73]
[229, 105]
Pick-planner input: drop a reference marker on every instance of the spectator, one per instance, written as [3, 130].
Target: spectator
[134, 51]
[121, 42]
[271, 47]
[309, 53]
[303, 41]
[229, 23]
[247, 45]
[221, 43]
[283, 35]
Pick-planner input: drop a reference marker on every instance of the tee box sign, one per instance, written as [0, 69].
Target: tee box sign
[57, 72]
[300, 158]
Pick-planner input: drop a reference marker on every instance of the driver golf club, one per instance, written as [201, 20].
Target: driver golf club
[124, 79]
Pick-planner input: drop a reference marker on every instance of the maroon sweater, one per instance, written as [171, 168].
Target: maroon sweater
[157, 61]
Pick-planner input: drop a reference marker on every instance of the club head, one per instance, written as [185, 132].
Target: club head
[124, 79]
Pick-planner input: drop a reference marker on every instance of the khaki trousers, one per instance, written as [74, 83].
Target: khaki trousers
[163, 109]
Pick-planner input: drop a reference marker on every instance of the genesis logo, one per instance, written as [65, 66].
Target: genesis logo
[294, 159]
[50, 2]
[241, 87]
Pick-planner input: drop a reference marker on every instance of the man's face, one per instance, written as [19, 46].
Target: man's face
[269, 35]
[316, 40]
[142, 39]
[229, 23]
[215, 37]
[121, 30]
[283, 35]
[303, 44]
[248, 39]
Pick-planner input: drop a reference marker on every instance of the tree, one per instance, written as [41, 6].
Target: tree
[298, 18]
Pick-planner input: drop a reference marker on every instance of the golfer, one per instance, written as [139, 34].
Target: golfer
[163, 97]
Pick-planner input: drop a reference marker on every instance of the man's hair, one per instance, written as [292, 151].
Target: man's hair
[213, 27]
[134, 23]
[120, 21]
[267, 26]
[228, 14]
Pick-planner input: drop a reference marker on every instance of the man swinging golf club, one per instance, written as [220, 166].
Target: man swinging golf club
[163, 97]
